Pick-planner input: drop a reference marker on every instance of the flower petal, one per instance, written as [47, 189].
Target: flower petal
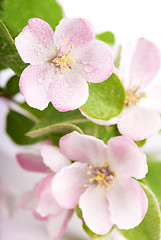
[57, 224]
[35, 43]
[140, 62]
[95, 209]
[153, 99]
[84, 148]
[46, 204]
[94, 61]
[68, 184]
[139, 123]
[125, 157]
[69, 91]
[76, 31]
[128, 204]
[53, 158]
[31, 160]
[27, 200]
[34, 84]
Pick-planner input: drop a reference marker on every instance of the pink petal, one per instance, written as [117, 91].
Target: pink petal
[141, 62]
[95, 209]
[84, 148]
[69, 91]
[46, 204]
[28, 200]
[94, 61]
[35, 43]
[39, 217]
[57, 224]
[68, 184]
[153, 99]
[128, 204]
[125, 157]
[53, 158]
[77, 31]
[34, 84]
[139, 123]
[31, 160]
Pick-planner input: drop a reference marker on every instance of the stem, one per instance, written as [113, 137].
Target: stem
[29, 114]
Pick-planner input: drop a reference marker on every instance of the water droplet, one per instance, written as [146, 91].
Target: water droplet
[88, 69]
[39, 80]
[50, 80]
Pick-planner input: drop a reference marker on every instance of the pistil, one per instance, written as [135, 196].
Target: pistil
[63, 59]
[100, 176]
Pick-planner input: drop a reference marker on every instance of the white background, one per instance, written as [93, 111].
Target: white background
[128, 20]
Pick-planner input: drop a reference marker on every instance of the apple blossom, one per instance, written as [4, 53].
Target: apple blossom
[140, 117]
[100, 181]
[40, 199]
[61, 63]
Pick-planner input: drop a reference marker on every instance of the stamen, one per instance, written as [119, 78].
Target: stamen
[101, 176]
[133, 96]
[63, 59]
[90, 166]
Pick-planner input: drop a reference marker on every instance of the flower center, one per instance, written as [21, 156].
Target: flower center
[133, 96]
[63, 58]
[100, 176]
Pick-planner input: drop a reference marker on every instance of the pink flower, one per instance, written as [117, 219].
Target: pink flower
[61, 63]
[40, 199]
[100, 182]
[140, 117]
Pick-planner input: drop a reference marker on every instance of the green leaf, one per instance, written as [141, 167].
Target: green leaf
[16, 13]
[78, 212]
[12, 86]
[57, 122]
[17, 126]
[36, 112]
[153, 178]
[140, 143]
[118, 57]
[107, 37]
[105, 133]
[106, 99]
[149, 228]
[8, 53]
[2, 67]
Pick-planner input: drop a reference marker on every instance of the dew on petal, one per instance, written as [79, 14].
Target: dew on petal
[50, 80]
[40, 80]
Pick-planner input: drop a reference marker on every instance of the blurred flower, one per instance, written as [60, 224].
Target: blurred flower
[100, 182]
[40, 199]
[140, 117]
[61, 63]
[8, 199]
